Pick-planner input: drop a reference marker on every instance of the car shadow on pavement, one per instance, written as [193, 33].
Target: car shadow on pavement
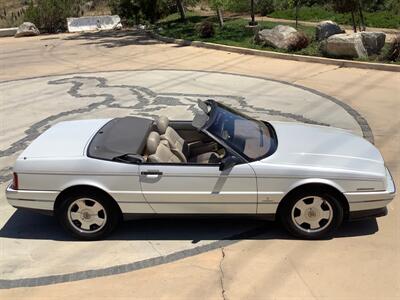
[29, 225]
[112, 39]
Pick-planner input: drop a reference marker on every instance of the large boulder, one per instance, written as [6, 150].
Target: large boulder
[373, 41]
[325, 29]
[344, 45]
[27, 29]
[280, 36]
[354, 45]
[92, 23]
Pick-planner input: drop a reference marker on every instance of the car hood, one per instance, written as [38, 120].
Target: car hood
[326, 147]
[65, 139]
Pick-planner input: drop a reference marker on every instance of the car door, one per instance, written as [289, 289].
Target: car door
[196, 189]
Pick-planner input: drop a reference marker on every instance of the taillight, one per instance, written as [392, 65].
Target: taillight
[15, 181]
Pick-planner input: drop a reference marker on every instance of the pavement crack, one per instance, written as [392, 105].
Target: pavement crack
[317, 74]
[302, 279]
[221, 274]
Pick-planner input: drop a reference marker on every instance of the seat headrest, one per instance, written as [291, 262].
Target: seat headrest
[162, 123]
[152, 142]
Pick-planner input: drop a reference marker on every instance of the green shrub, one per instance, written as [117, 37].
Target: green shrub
[281, 4]
[150, 10]
[314, 13]
[236, 5]
[51, 15]
[393, 6]
[128, 10]
[261, 6]
[385, 19]
[265, 7]
[206, 29]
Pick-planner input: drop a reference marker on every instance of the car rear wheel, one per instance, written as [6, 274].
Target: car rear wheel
[311, 215]
[88, 216]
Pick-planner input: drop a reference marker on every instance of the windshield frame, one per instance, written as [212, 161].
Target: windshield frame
[212, 117]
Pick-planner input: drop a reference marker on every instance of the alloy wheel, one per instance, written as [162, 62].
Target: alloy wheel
[87, 215]
[312, 214]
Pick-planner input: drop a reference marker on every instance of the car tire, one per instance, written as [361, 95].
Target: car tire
[311, 215]
[88, 215]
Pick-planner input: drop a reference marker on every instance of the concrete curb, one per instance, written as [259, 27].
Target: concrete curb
[295, 57]
[5, 32]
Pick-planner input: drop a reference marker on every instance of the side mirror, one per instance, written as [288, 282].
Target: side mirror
[228, 162]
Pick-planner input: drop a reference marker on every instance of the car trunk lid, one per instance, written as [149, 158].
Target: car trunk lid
[65, 139]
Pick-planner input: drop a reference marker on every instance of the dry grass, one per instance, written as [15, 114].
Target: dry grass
[100, 9]
[10, 4]
[11, 12]
[8, 8]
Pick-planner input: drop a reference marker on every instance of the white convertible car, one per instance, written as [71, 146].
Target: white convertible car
[93, 173]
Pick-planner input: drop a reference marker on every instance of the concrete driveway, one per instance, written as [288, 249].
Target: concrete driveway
[52, 78]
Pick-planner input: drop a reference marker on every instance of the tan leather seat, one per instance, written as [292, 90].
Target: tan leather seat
[159, 151]
[178, 145]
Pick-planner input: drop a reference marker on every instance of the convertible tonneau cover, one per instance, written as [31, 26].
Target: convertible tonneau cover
[120, 136]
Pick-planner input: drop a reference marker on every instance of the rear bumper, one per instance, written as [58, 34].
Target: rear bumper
[38, 200]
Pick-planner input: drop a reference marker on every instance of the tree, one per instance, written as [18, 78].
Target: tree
[126, 9]
[253, 21]
[217, 5]
[181, 9]
[151, 10]
[360, 10]
[296, 5]
[347, 6]
[393, 6]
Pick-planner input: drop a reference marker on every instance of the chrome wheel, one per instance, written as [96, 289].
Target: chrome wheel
[87, 215]
[312, 214]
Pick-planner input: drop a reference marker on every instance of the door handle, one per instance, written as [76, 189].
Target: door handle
[151, 173]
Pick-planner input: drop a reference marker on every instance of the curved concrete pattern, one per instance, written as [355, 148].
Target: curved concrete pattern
[34, 247]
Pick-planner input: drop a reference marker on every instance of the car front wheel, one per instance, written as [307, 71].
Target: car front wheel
[312, 215]
[88, 216]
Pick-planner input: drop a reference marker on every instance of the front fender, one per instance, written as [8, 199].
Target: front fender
[301, 182]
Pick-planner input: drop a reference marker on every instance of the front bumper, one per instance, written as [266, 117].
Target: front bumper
[373, 202]
[367, 201]
[40, 200]
[370, 213]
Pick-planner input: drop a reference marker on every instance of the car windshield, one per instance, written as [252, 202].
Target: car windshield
[243, 134]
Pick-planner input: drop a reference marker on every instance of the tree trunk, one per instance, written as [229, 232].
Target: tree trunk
[362, 21]
[354, 22]
[220, 17]
[253, 19]
[181, 9]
